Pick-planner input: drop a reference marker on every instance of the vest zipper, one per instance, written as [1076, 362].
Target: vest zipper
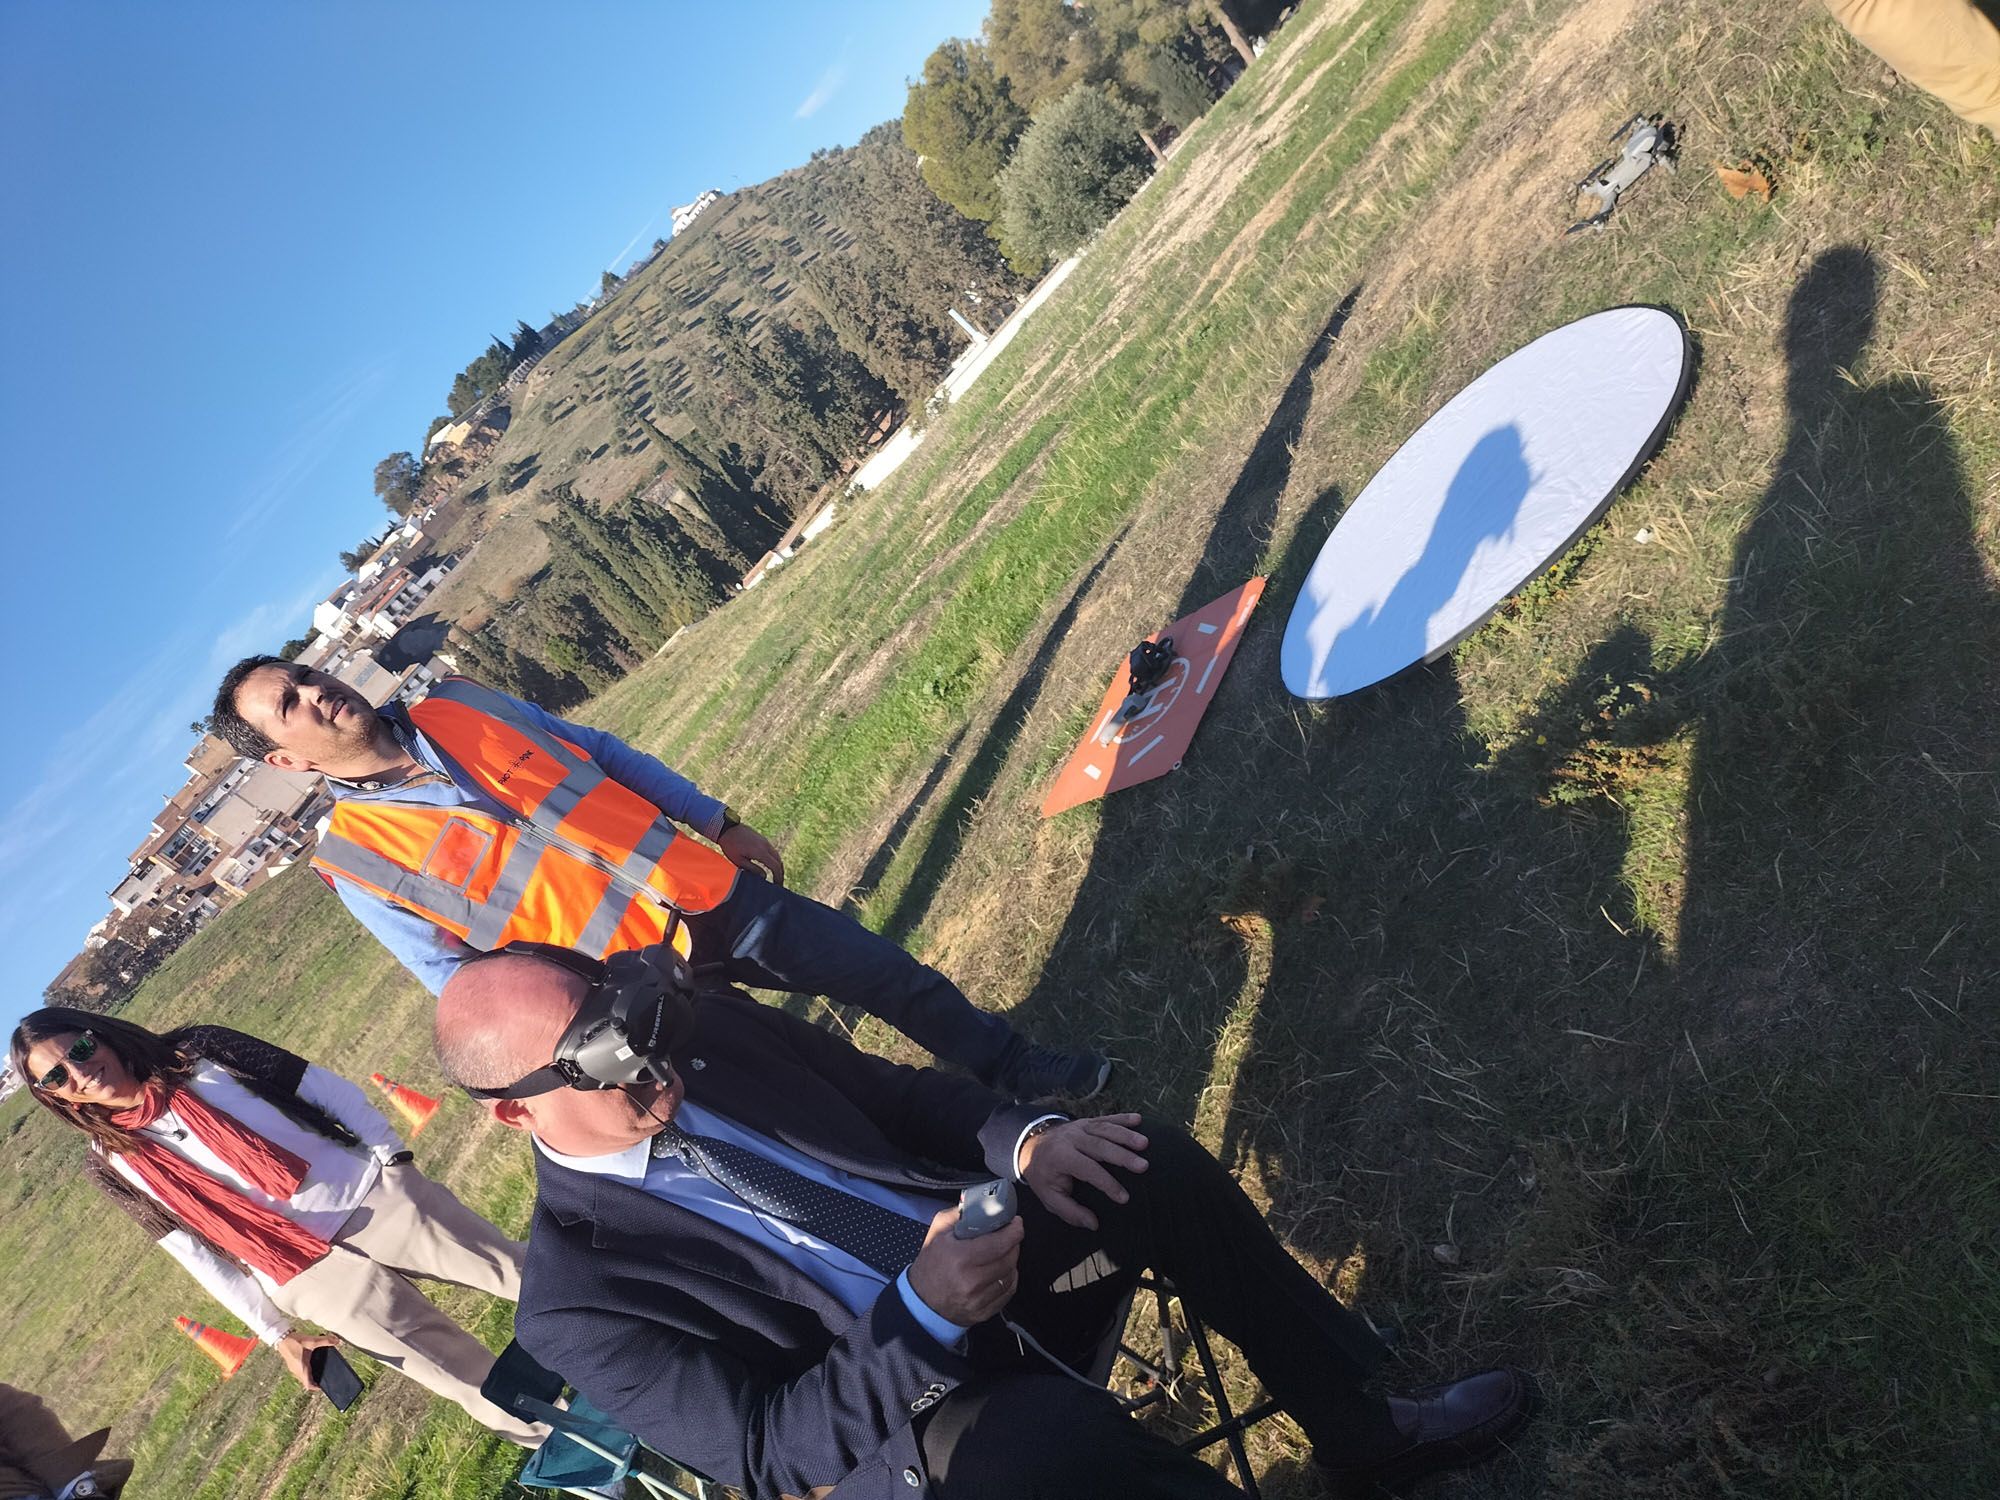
[620, 881]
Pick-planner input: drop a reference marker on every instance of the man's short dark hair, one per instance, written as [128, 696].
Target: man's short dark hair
[229, 726]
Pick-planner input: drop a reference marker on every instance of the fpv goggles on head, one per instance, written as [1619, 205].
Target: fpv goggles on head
[638, 1010]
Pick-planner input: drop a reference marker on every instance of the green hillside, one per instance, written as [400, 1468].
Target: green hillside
[728, 385]
[1607, 998]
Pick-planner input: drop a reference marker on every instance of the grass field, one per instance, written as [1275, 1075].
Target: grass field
[1609, 997]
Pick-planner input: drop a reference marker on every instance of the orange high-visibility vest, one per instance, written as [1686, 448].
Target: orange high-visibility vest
[581, 860]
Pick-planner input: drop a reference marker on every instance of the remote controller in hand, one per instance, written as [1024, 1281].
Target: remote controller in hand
[984, 1208]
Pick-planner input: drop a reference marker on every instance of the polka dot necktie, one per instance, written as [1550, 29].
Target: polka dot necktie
[876, 1236]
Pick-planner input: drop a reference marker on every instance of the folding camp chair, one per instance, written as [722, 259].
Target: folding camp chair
[1161, 1382]
[586, 1455]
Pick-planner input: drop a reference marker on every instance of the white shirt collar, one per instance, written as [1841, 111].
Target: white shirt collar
[628, 1165]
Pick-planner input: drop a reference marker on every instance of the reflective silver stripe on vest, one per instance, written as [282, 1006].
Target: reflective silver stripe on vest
[581, 774]
[649, 851]
[342, 856]
[605, 921]
[505, 898]
[578, 782]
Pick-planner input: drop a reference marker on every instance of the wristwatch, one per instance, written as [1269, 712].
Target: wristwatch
[729, 819]
[1043, 1127]
[401, 1159]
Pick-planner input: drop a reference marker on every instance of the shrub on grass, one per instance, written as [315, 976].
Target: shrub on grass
[1184, 93]
[1074, 168]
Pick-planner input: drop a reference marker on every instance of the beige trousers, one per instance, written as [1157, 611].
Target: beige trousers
[361, 1290]
[1947, 48]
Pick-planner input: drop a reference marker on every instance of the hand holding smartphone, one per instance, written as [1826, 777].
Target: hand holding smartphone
[335, 1377]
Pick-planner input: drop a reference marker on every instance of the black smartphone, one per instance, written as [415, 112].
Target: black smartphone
[335, 1377]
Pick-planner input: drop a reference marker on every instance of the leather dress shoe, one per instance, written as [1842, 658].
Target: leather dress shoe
[1448, 1426]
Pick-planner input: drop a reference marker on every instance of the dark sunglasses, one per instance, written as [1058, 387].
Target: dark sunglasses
[80, 1050]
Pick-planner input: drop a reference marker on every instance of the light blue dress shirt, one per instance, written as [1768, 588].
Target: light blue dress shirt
[425, 949]
[852, 1282]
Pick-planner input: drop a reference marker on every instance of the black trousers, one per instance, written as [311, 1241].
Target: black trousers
[1028, 1436]
[771, 938]
[1188, 1220]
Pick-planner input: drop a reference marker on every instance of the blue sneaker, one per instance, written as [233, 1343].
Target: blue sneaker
[1034, 1072]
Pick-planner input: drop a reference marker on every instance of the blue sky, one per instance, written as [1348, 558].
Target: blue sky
[248, 247]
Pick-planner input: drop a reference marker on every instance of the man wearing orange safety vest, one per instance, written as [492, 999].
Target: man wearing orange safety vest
[473, 820]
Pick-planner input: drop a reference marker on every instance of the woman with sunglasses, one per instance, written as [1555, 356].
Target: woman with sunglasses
[280, 1188]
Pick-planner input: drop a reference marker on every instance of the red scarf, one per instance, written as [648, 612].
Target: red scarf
[258, 1236]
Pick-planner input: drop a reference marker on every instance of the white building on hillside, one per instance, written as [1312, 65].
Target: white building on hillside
[687, 213]
[379, 603]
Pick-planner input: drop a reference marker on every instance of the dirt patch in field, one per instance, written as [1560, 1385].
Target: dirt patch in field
[1198, 197]
[859, 686]
[302, 1439]
[1542, 135]
[1301, 31]
[1196, 200]
[1299, 94]
[1004, 506]
[1072, 372]
[1244, 243]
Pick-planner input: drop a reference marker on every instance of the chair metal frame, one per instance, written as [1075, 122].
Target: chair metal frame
[508, 1387]
[1230, 1424]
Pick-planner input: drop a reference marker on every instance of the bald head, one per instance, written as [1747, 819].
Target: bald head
[499, 1019]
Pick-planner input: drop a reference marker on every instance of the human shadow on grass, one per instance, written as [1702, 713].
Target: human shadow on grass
[1243, 927]
[1244, 521]
[1311, 938]
[1843, 776]
[974, 781]
[1241, 527]
[1220, 890]
[1475, 1022]
[1822, 1028]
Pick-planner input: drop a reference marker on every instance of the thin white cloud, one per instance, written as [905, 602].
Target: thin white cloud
[122, 757]
[828, 85]
[619, 259]
[295, 459]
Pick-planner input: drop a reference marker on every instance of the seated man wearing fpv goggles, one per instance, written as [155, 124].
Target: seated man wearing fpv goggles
[743, 1250]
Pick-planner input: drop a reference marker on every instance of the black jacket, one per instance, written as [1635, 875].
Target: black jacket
[712, 1348]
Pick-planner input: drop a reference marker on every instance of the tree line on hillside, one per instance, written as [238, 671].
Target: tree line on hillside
[751, 358]
[132, 948]
[399, 478]
[1043, 126]
[618, 582]
[757, 359]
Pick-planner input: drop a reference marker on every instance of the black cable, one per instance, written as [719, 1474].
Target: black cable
[757, 1215]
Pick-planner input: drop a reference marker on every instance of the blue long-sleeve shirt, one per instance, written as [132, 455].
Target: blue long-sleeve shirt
[422, 947]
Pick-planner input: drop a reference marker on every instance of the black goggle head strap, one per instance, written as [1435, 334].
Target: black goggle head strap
[638, 1010]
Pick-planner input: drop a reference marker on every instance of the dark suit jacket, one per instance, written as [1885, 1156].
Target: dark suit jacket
[708, 1345]
[38, 1456]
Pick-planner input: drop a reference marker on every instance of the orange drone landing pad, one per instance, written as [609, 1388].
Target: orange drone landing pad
[1115, 754]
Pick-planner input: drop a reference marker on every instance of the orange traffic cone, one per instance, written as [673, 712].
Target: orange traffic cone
[416, 1108]
[226, 1349]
